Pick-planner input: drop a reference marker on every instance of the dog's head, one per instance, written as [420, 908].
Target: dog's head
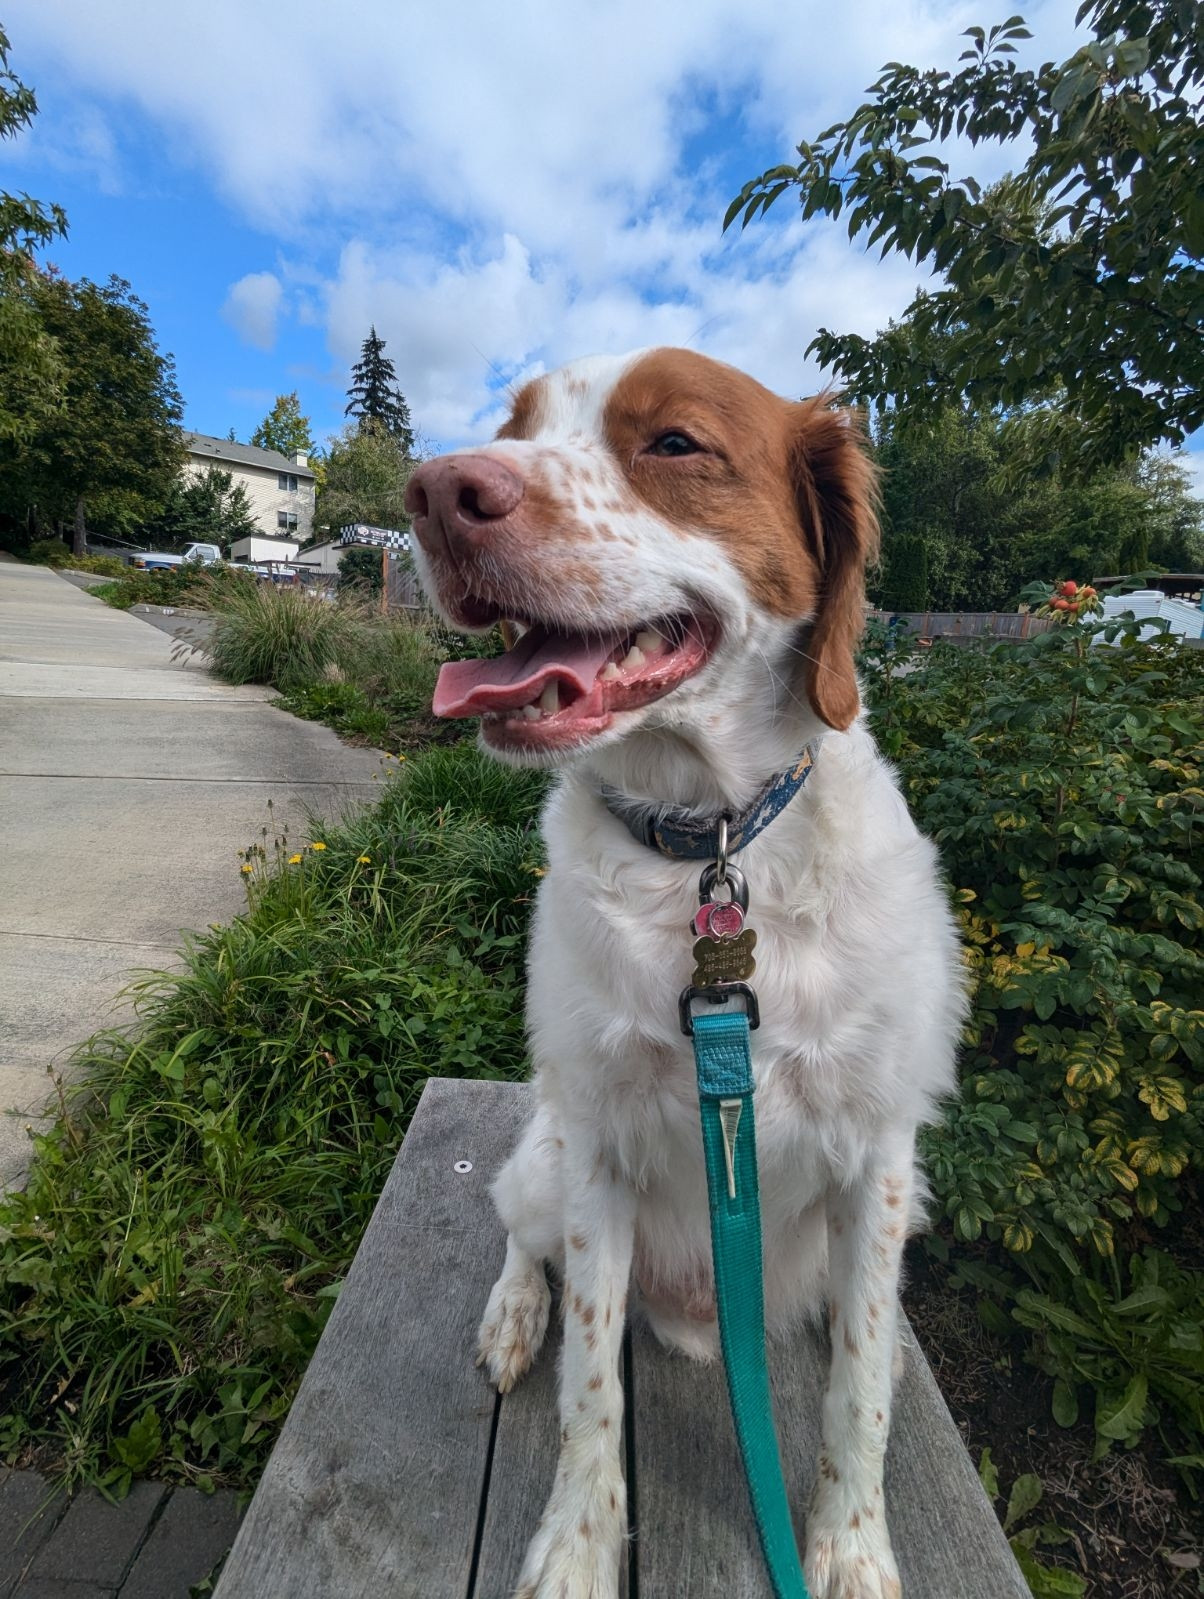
[677, 545]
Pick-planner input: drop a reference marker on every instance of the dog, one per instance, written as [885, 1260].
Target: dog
[682, 556]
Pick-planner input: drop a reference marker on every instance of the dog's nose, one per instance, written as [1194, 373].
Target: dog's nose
[456, 500]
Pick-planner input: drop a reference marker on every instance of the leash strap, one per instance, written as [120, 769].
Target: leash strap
[725, 1095]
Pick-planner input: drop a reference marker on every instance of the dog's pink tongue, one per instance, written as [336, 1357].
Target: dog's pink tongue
[510, 681]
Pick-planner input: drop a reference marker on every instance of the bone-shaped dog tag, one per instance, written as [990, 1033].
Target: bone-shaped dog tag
[724, 960]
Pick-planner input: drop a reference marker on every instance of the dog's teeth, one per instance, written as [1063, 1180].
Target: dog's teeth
[608, 673]
[531, 712]
[634, 656]
[650, 641]
[549, 700]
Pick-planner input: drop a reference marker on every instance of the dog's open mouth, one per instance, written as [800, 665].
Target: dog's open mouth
[556, 688]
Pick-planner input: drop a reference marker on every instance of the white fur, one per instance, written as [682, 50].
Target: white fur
[860, 998]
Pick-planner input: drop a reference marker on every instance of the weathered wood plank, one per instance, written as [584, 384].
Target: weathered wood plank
[696, 1533]
[374, 1486]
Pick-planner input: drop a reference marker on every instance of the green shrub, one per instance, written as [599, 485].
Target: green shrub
[167, 1273]
[50, 552]
[102, 565]
[1062, 782]
[283, 636]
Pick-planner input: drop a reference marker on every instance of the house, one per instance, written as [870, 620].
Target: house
[327, 556]
[264, 551]
[280, 488]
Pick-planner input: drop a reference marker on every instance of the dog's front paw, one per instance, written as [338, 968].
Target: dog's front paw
[575, 1554]
[848, 1551]
[513, 1327]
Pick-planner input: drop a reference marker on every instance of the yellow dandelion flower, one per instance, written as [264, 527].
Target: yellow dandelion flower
[246, 870]
[365, 860]
[294, 860]
[317, 846]
[401, 757]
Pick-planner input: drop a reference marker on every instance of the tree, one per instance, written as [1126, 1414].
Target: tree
[29, 365]
[360, 570]
[113, 448]
[365, 480]
[1081, 274]
[374, 397]
[988, 528]
[284, 429]
[207, 509]
[907, 575]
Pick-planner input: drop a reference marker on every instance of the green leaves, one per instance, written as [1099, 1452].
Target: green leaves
[1096, 240]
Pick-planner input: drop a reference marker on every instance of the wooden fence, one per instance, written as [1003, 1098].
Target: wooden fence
[968, 624]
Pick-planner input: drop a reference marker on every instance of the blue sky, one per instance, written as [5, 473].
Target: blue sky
[499, 190]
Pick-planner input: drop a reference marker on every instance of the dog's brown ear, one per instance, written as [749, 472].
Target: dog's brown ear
[836, 489]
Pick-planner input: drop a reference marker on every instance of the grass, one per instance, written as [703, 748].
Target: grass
[167, 1273]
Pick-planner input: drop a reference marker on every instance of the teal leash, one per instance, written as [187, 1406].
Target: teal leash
[723, 1062]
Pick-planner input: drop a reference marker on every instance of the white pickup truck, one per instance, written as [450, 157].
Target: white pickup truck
[157, 561]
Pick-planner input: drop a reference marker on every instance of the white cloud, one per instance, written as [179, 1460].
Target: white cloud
[504, 189]
[252, 307]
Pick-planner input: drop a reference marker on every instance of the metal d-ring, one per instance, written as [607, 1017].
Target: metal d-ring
[721, 855]
[736, 882]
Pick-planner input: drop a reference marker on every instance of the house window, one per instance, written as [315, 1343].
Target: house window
[286, 521]
[287, 481]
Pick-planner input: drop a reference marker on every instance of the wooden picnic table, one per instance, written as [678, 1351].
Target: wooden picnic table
[401, 1474]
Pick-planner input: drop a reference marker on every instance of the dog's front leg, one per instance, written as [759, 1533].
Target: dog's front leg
[575, 1553]
[848, 1547]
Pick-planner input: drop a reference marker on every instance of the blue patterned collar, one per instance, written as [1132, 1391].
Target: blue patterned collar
[684, 837]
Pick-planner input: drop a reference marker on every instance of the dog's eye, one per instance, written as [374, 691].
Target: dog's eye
[673, 443]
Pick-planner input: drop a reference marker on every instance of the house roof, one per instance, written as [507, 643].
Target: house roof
[241, 454]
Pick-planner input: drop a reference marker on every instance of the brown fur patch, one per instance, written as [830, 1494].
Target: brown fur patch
[594, 1383]
[786, 488]
[576, 1241]
[526, 413]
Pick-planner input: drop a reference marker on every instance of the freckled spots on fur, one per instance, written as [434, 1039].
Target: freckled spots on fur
[591, 1338]
[559, 1142]
[623, 1305]
[605, 1422]
[587, 1315]
[893, 1199]
[564, 1435]
[576, 1241]
[838, 1228]
[854, 1522]
[826, 1469]
[614, 1503]
[583, 1529]
[868, 1513]
[594, 1383]
[850, 1343]
[895, 1230]
[873, 1309]
[588, 502]
[606, 1318]
[581, 1404]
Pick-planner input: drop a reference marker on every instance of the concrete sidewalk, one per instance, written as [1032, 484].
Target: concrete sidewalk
[128, 784]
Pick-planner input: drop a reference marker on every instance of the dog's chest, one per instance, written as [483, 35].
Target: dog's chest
[613, 949]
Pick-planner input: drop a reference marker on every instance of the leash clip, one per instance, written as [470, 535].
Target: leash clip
[717, 994]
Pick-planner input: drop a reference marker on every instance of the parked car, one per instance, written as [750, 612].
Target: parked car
[158, 561]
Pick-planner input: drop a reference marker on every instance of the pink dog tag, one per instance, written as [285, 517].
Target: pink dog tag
[719, 920]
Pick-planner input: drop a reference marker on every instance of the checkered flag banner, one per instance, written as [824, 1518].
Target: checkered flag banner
[384, 538]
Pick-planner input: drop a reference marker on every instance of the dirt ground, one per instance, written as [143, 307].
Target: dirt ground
[1134, 1533]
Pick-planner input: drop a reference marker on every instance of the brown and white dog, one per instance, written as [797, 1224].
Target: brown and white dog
[685, 553]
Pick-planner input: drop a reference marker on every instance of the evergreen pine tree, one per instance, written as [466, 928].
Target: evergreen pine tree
[374, 398]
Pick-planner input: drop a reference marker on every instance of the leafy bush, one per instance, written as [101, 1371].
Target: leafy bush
[168, 1271]
[50, 552]
[1062, 781]
[102, 565]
